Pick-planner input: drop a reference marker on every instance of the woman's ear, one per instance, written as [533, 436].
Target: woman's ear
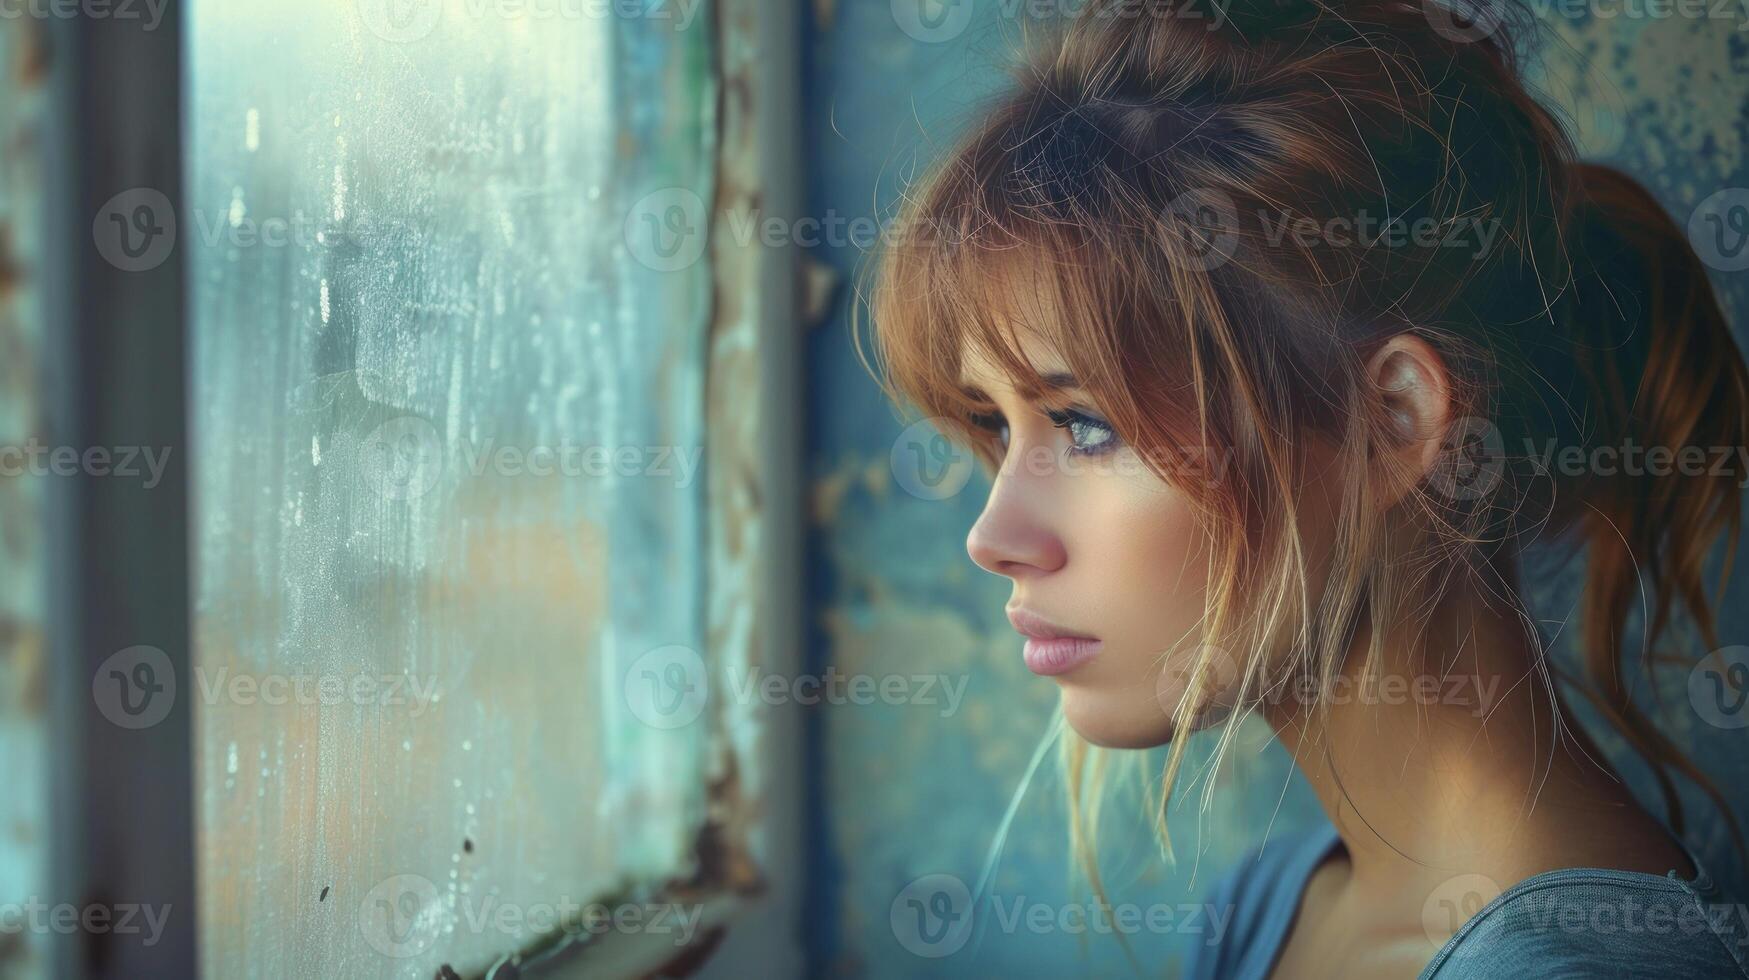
[1409, 381]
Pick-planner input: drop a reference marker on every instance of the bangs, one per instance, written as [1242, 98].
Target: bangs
[996, 285]
[1042, 232]
[938, 308]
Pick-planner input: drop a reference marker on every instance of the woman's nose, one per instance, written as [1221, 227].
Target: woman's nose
[1014, 536]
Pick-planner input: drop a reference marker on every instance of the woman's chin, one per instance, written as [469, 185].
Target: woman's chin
[1120, 720]
[1113, 721]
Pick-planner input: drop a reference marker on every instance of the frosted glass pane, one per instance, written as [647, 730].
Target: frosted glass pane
[447, 440]
[23, 684]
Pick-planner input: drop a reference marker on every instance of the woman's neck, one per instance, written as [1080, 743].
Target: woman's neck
[1458, 760]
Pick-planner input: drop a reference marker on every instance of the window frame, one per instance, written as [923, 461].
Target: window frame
[116, 553]
[116, 373]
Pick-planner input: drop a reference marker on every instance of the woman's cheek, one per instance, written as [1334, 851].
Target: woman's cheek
[1145, 582]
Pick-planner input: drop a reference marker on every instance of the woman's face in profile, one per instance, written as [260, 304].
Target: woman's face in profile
[1101, 552]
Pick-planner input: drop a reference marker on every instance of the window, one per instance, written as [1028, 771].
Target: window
[486, 501]
[445, 451]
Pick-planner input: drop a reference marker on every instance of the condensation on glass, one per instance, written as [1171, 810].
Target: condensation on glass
[447, 466]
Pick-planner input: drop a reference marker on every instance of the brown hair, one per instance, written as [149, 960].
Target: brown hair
[1136, 175]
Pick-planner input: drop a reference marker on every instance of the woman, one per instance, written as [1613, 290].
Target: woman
[1283, 328]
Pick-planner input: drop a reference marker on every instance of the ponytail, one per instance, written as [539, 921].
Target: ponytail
[1659, 368]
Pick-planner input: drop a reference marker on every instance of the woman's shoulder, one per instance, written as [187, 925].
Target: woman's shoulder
[1570, 922]
[1601, 922]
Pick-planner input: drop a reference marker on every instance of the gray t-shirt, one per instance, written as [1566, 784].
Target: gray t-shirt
[1570, 923]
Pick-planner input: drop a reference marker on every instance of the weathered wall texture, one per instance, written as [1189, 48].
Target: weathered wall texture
[24, 57]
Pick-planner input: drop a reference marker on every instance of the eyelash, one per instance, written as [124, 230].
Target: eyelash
[1069, 419]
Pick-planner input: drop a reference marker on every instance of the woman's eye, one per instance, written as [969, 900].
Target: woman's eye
[994, 424]
[1090, 436]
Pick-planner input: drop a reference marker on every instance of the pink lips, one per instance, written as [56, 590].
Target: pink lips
[1051, 649]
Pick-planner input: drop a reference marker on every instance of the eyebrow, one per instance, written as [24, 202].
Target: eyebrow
[1055, 380]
